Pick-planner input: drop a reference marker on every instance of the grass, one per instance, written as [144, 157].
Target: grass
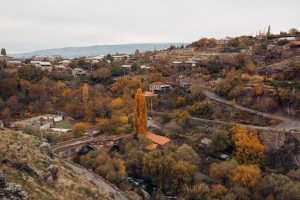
[65, 124]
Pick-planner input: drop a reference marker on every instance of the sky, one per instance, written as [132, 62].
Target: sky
[28, 25]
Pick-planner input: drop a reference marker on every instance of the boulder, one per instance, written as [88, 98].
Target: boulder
[14, 191]
[53, 169]
[46, 148]
[145, 195]
[48, 179]
[2, 179]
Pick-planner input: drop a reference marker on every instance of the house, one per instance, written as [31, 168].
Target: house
[65, 63]
[43, 122]
[190, 63]
[157, 140]
[3, 58]
[160, 88]
[14, 62]
[80, 72]
[291, 49]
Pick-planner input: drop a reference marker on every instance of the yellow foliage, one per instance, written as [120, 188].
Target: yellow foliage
[258, 90]
[247, 176]
[140, 113]
[233, 102]
[117, 103]
[248, 148]
[5, 114]
[124, 119]
[85, 93]
[78, 130]
[180, 101]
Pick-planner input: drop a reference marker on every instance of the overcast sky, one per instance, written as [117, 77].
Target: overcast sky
[27, 25]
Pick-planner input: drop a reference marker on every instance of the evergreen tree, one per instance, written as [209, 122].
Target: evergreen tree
[140, 113]
[269, 30]
[3, 52]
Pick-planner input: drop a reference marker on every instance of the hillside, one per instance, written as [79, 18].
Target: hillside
[22, 163]
[98, 50]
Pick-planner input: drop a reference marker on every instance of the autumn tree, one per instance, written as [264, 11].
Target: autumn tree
[247, 175]
[196, 192]
[140, 113]
[181, 117]
[5, 114]
[222, 171]
[78, 130]
[85, 93]
[220, 141]
[248, 148]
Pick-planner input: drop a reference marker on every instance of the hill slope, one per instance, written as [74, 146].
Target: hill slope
[98, 50]
[19, 149]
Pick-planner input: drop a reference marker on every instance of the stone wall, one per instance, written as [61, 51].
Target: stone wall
[272, 138]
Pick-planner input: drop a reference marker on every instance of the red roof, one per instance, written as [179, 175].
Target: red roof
[146, 93]
[295, 42]
[158, 83]
[161, 140]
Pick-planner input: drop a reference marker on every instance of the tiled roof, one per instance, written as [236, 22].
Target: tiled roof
[295, 42]
[146, 93]
[151, 147]
[158, 83]
[161, 140]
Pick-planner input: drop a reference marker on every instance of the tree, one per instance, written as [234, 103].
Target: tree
[222, 171]
[5, 114]
[187, 154]
[248, 148]
[196, 192]
[247, 176]
[3, 51]
[85, 93]
[140, 113]
[181, 116]
[293, 31]
[156, 77]
[269, 31]
[220, 141]
[78, 130]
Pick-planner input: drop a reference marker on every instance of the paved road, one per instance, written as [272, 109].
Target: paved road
[287, 124]
[97, 180]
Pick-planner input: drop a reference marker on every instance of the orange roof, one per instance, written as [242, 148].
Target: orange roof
[158, 83]
[146, 93]
[295, 42]
[151, 147]
[161, 140]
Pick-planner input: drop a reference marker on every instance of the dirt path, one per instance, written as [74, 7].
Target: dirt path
[286, 124]
[97, 180]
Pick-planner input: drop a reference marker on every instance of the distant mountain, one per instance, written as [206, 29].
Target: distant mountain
[68, 52]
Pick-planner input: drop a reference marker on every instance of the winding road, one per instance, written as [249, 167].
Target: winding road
[285, 124]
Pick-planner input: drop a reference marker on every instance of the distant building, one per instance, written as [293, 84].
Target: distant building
[43, 122]
[126, 66]
[160, 88]
[80, 72]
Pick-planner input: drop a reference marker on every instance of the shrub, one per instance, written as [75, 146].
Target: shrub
[201, 109]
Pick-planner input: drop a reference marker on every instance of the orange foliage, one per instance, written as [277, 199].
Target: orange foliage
[248, 176]
[140, 113]
[248, 148]
[258, 90]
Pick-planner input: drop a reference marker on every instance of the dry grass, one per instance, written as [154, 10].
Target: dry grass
[22, 148]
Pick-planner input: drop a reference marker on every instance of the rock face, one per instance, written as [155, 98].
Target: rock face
[2, 179]
[53, 169]
[47, 149]
[51, 175]
[11, 191]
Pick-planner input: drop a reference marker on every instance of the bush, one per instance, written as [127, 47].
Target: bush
[78, 130]
[201, 109]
